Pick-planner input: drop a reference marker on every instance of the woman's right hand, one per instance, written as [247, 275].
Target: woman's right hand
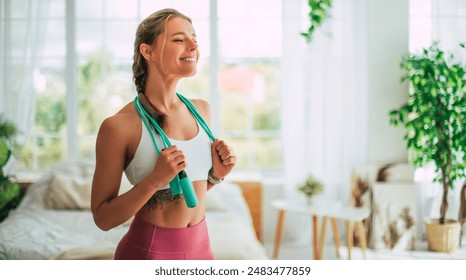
[170, 162]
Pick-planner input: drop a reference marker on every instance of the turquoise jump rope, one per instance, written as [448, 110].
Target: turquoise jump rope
[180, 183]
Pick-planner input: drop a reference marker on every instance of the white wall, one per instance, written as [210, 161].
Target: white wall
[388, 41]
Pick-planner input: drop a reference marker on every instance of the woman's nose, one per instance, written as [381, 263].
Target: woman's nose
[192, 45]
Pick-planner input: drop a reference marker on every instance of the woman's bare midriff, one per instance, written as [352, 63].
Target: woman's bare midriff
[177, 214]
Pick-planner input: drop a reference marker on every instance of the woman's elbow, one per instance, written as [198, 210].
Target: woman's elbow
[101, 224]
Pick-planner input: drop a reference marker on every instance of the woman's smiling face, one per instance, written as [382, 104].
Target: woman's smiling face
[176, 49]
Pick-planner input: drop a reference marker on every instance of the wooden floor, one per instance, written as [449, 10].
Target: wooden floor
[303, 251]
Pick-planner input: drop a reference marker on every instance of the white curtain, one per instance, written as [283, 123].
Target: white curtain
[449, 25]
[325, 98]
[442, 20]
[22, 29]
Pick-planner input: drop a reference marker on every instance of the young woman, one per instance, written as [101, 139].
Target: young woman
[164, 227]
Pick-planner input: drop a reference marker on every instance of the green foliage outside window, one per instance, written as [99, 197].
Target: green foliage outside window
[50, 114]
[250, 113]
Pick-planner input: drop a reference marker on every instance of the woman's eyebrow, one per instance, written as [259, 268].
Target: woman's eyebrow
[182, 33]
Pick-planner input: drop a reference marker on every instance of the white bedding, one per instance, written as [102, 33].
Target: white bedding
[33, 232]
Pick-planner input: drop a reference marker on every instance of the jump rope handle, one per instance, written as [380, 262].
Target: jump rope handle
[187, 189]
[182, 185]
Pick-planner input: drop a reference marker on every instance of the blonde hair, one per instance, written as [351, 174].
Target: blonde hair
[148, 31]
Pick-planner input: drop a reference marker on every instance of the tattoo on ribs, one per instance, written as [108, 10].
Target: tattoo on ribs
[163, 196]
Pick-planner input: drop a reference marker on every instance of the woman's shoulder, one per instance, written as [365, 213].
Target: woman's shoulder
[122, 122]
[202, 106]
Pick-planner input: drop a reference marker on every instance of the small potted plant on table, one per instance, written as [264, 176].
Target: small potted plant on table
[311, 187]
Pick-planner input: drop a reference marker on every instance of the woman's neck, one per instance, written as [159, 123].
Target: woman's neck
[162, 94]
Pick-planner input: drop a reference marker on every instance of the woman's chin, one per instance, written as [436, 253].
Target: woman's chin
[189, 73]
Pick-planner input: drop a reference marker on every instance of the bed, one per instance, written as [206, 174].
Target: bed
[53, 221]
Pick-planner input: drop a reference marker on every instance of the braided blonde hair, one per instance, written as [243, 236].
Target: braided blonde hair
[148, 31]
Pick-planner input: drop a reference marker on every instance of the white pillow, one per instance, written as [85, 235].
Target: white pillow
[68, 192]
[214, 200]
[73, 191]
[401, 172]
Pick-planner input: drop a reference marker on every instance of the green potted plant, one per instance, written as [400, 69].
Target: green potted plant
[9, 188]
[311, 187]
[434, 118]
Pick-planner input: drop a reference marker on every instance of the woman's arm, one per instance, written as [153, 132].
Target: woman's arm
[108, 208]
[223, 157]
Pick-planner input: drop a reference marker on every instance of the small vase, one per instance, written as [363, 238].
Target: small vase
[309, 200]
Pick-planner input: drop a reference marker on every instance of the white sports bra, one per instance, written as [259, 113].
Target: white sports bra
[197, 152]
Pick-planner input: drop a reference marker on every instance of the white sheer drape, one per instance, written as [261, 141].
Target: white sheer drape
[325, 98]
[449, 25]
[338, 98]
[442, 20]
[22, 28]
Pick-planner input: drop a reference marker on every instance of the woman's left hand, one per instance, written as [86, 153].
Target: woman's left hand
[223, 158]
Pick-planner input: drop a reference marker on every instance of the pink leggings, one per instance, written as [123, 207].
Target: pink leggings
[145, 241]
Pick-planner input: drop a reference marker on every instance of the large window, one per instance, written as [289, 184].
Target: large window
[249, 41]
[240, 44]
[47, 140]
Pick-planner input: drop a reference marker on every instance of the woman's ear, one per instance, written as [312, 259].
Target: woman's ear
[145, 50]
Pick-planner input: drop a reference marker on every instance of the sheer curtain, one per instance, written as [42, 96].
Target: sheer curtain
[22, 27]
[325, 98]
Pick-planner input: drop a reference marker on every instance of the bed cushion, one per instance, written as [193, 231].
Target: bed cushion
[214, 200]
[68, 192]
